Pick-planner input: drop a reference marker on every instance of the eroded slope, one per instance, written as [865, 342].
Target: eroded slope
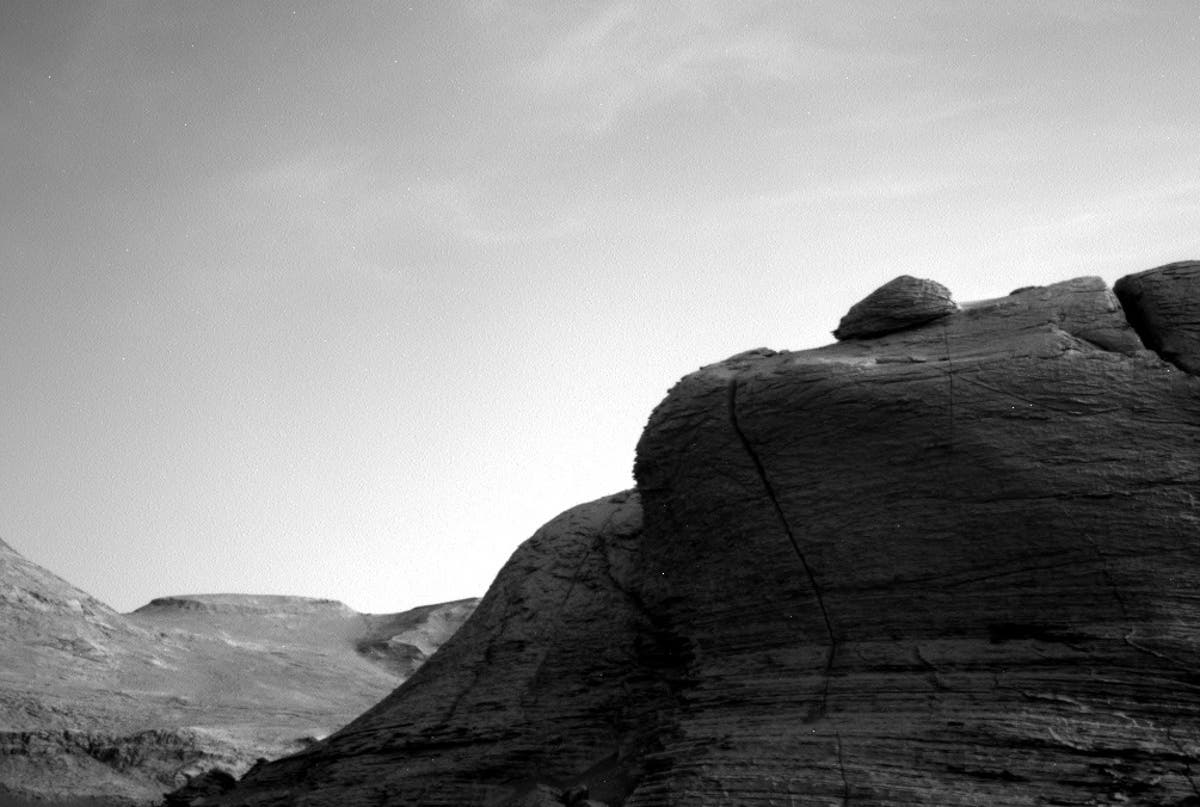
[123, 707]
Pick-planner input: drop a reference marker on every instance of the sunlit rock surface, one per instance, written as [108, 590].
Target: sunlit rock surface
[122, 707]
[955, 564]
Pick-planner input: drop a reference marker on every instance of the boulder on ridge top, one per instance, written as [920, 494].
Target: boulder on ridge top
[905, 302]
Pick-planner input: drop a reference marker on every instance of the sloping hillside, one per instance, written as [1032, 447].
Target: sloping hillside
[96, 703]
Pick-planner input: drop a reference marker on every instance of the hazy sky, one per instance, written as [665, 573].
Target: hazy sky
[346, 300]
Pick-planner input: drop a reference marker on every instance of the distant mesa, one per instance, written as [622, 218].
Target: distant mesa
[905, 302]
[245, 604]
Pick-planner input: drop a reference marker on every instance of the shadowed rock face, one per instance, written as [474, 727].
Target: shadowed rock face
[1160, 304]
[955, 564]
[905, 302]
[558, 676]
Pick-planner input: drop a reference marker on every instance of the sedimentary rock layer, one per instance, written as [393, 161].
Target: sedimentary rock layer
[953, 564]
[555, 678]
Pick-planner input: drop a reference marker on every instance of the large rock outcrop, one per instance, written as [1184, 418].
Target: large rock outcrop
[121, 707]
[557, 678]
[955, 563]
[968, 553]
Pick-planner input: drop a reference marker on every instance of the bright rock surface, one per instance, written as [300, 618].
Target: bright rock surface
[122, 707]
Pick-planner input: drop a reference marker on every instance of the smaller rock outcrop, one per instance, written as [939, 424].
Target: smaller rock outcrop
[403, 642]
[905, 302]
[1160, 305]
[212, 783]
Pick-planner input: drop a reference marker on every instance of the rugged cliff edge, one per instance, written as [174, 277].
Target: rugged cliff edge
[951, 559]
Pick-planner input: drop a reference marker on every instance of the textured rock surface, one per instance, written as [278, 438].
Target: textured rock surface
[212, 783]
[123, 707]
[1160, 305]
[556, 677]
[901, 303]
[953, 565]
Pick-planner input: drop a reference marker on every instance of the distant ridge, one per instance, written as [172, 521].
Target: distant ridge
[244, 603]
[125, 707]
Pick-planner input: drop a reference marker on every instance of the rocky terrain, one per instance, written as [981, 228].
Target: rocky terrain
[121, 708]
[951, 559]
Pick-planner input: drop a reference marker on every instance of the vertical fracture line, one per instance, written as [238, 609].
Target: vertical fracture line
[950, 379]
[841, 760]
[787, 529]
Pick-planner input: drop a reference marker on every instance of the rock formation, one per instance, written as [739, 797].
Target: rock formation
[554, 679]
[967, 553]
[905, 302]
[952, 563]
[1160, 305]
[122, 707]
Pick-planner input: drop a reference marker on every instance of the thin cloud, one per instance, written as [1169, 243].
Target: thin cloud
[1087, 12]
[1136, 209]
[459, 208]
[333, 208]
[633, 55]
[753, 211]
[1106, 234]
[302, 177]
[921, 112]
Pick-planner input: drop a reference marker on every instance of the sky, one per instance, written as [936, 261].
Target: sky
[347, 299]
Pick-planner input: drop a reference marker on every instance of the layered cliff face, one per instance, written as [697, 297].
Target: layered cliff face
[951, 559]
[557, 677]
[123, 707]
[968, 552]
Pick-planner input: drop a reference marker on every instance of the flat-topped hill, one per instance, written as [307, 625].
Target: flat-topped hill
[266, 604]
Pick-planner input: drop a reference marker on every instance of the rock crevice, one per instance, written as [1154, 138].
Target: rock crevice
[785, 525]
